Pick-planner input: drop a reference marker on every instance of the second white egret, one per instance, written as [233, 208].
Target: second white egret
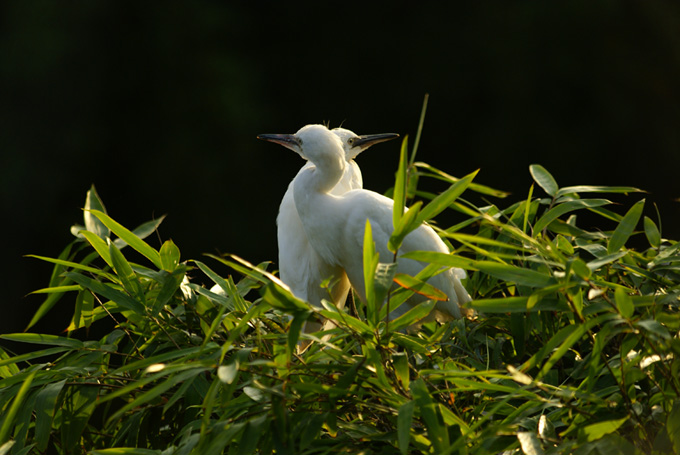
[334, 224]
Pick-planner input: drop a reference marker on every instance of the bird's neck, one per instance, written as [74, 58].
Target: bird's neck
[325, 174]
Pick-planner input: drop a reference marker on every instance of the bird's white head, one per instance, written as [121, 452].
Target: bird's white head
[312, 142]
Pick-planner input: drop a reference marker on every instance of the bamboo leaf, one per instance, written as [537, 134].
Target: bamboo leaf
[371, 260]
[127, 276]
[404, 423]
[407, 224]
[652, 232]
[52, 340]
[597, 189]
[170, 256]
[8, 421]
[597, 430]
[400, 185]
[108, 292]
[564, 208]
[445, 199]
[513, 274]
[413, 315]
[625, 228]
[130, 238]
[420, 287]
[624, 303]
[44, 412]
[92, 224]
[544, 179]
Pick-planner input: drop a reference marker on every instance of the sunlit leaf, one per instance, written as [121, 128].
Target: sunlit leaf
[130, 238]
[544, 179]
[652, 232]
[625, 228]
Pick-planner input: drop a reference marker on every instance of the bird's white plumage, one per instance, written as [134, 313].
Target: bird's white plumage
[334, 224]
[300, 267]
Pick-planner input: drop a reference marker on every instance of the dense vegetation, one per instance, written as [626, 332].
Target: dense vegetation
[571, 344]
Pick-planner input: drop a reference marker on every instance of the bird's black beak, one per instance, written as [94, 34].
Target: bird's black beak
[287, 140]
[367, 140]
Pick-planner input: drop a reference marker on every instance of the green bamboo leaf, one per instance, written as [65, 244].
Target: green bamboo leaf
[513, 274]
[125, 451]
[544, 179]
[169, 286]
[570, 340]
[36, 338]
[99, 246]
[45, 404]
[597, 189]
[445, 199]
[156, 391]
[371, 260]
[127, 276]
[652, 232]
[445, 259]
[566, 207]
[431, 415]
[107, 291]
[6, 360]
[624, 303]
[73, 265]
[597, 430]
[400, 184]
[382, 280]
[413, 315]
[92, 224]
[170, 256]
[404, 423]
[131, 239]
[8, 421]
[58, 289]
[518, 304]
[673, 426]
[142, 231]
[407, 224]
[420, 287]
[625, 228]
[476, 187]
[595, 264]
[343, 319]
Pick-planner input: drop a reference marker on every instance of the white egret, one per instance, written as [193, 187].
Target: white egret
[300, 267]
[334, 224]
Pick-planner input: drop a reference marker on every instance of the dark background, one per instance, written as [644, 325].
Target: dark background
[158, 104]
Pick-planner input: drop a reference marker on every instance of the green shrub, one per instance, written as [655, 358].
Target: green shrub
[573, 348]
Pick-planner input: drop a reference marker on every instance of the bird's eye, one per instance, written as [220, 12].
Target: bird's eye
[350, 141]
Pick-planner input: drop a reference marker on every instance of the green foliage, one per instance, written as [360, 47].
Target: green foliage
[574, 346]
